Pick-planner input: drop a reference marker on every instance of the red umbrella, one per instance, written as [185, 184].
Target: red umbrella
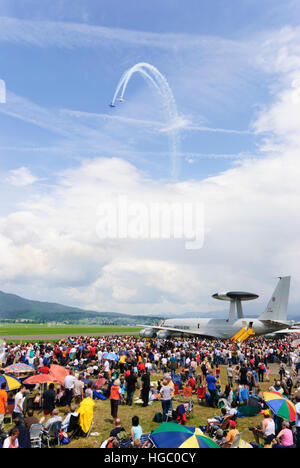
[39, 379]
[99, 383]
[59, 373]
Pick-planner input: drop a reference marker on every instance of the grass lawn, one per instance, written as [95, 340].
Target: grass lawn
[40, 330]
[103, 422]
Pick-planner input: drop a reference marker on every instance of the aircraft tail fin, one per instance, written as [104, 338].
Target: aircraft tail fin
[277, 307]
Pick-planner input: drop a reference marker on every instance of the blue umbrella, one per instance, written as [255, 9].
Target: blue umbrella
[111, 356]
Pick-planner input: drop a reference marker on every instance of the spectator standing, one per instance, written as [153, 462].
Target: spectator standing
[166, 394]
[48, 400]
[115, 397]
[3, 405]
[69, 384]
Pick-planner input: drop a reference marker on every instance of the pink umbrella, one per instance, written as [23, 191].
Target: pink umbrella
[39, 379]
[99, 383]
[59, 373]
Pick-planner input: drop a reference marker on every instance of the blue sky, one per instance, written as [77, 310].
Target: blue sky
[232, 67]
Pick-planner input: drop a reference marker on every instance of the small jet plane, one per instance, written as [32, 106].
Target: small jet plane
[112, 105]
[273, 319]
[121, 99]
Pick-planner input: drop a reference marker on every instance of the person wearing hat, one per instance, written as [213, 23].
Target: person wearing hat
[267, 429]
[233, 431]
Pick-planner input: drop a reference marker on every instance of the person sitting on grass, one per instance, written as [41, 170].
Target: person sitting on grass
[136, 431]
[66, 421]
[266, 431]
[215, 423]
[24, 435]
[117, 429]
[233, 431]
[30, 419]
[54, 418]
[285, 437]
[12, 441]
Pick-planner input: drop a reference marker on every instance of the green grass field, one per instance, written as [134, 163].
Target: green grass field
[18, 330]
[103, 422]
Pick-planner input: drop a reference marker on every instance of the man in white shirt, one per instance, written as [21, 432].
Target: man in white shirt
[69, 385]
[19, 400]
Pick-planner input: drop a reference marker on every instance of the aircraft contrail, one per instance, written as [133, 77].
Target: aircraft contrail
[161, 85]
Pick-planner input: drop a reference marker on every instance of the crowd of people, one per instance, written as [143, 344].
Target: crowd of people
[125, 365]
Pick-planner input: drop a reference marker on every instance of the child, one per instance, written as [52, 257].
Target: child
[136, 431]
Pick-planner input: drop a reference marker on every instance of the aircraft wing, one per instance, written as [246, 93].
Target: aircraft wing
[186, 332]
[287, 331]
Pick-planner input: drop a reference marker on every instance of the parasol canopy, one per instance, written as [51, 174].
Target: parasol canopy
[281, 406]
[59, 373]
[39, 379]
[111, 356]
[19, 368]
[100, 383]
[171, 435]
[11, 382]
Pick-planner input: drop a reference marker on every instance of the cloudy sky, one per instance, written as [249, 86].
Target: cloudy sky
[233, 69]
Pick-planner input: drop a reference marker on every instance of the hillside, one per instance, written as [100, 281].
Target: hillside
[14, 307]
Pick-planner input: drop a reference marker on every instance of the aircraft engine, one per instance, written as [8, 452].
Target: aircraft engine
[148, 333]
[163, 334]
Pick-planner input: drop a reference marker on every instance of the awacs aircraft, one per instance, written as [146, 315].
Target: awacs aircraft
[237, 326]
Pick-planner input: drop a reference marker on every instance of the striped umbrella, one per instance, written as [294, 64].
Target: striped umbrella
[11, 382]
[171, 435]
[281, 406]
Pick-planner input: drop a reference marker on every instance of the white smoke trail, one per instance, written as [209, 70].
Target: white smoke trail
[161, 85]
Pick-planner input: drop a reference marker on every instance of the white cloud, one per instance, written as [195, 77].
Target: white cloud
[49, 243]
[21, 177]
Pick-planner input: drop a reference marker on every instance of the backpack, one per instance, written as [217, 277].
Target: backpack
[158, 418]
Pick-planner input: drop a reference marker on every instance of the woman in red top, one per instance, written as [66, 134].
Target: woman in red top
[115, 397]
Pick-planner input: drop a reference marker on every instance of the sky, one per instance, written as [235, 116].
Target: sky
[218, 98]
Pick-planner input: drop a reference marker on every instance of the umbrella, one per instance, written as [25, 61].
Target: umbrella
[87, 381]
[281, 406]
[11, 382]
[99, 383]
[18, 369]
[171, 435]
[58, 373]
[245, 445]
[111, 356]
[39, 379]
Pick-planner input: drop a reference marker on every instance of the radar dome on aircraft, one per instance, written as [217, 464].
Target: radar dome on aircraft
[235, 296]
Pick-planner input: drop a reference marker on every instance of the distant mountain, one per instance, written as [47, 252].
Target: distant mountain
[14, 307]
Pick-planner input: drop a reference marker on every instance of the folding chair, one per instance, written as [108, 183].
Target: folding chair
[187, 392]
[201, 394]
[36, 431]
[236, 441]
[144, 438]
[74, 427]
[169, 415]
[9, 412]
[52, 435]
